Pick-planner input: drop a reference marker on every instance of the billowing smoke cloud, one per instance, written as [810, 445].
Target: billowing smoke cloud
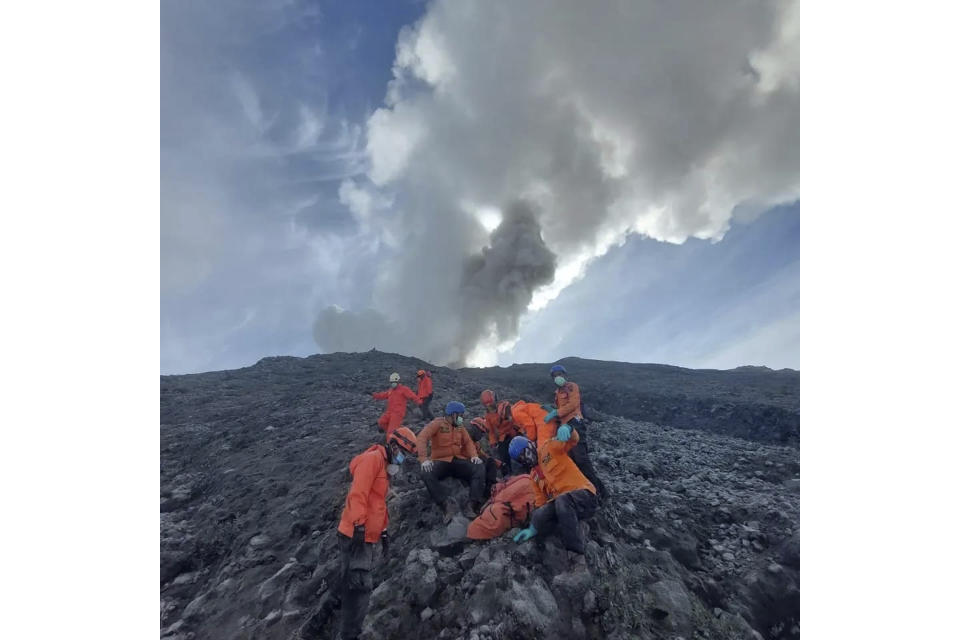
[498, 284]
[495, 288]
[609, 118]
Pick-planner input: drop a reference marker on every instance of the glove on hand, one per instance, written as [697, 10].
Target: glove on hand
[563, 433]
[359, 534]
[426, 465]
[525, 535]
[550, 416]
[476, 460]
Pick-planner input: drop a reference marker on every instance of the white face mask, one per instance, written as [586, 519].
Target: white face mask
[560, 381]
[393, 469]
[393, 385]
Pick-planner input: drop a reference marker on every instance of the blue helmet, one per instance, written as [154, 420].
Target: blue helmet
[454, 407]
[557, 368]
[517, 445]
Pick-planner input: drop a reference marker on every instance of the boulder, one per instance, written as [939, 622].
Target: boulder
[681, 544]
[533, 604]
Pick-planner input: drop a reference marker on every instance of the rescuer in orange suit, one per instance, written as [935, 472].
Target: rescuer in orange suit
[500, 428]
[363, 523]
[511, 501]
[396, 397]
[452, 453]
[563, 496]
[569, 414]
[425, 393]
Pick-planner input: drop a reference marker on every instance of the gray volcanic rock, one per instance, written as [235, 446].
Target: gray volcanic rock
[699, 539]
[755, 403]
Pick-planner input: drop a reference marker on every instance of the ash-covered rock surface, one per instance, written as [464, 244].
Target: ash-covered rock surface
[699, 539]
[755, 403]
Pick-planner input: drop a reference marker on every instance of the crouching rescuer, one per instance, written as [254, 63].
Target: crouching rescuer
[562, 494]
[363, 523]
[452, 453]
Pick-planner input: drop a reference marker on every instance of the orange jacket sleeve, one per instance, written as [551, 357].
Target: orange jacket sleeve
[529, 426]
[363, 477]
[409, 394]
[381, 395]
[492, 420]
[469, 446]
[424, 437]
[425, 387]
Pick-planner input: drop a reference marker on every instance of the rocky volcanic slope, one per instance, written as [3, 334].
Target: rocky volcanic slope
[700, 539]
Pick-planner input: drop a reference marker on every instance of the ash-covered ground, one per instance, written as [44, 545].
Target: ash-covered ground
[699, 539]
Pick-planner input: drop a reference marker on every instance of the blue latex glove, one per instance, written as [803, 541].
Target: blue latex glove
[563, 433]
[525, 535]
[550, 416]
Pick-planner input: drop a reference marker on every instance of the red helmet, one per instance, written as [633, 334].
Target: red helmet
[488, 397]
[479, 423]
[503, 410]
[405, 439]
[420, 372]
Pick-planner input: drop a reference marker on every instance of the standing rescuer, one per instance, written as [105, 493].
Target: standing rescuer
[452, 453]
[425, 393]
[396, 397]
[563, 496]
[570, 416]
[363, 523]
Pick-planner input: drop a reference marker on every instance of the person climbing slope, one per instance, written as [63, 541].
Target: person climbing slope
[563, 496]
[569, 415]
[425, 393]
[396, 397]
[452, 453]
[363, 523]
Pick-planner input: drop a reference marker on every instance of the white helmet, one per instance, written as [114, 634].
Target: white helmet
[394, 377]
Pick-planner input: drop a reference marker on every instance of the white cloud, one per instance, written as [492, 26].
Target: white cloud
[392, 136]
[311, 126]
[248, 99]
[775, 345]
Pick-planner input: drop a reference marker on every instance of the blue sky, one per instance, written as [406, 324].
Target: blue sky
[328, 169]
[700, 304]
